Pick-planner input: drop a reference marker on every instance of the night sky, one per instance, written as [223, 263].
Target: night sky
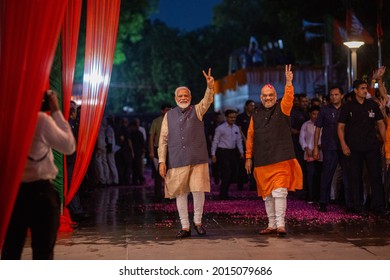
[186, 15]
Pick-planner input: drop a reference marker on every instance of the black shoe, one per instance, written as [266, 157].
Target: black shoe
[157, 200]
[333, 201]
[200, 229]
[349, 210]
[361, 213]
[80, 217]
[380, 213]
[223, 197]
[323, 208]
[183, 233]
[74, 225]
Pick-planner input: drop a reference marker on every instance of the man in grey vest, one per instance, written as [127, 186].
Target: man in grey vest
[183, 157]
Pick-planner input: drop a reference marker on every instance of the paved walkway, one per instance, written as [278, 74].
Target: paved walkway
[124, 223]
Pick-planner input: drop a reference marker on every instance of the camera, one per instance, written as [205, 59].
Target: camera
[45, 103]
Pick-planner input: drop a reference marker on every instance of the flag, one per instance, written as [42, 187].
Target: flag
[355, 29]
[379, 30]
[339, 33]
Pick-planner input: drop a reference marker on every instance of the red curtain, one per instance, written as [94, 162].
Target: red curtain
[29, 31]
[101, 31]
[70, 37]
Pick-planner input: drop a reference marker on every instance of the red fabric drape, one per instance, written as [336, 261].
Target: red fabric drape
[29, 31]
[102, 28]
[70, 36]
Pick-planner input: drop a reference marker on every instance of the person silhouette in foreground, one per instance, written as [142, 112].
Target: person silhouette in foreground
[37, 205]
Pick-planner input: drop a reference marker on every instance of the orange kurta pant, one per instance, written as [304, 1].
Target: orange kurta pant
[284, 174]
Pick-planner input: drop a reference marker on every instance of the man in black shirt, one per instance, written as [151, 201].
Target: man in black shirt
[242, 122]
[326, 126]
[359, 141]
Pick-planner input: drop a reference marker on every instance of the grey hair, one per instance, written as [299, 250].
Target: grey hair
[182, 87]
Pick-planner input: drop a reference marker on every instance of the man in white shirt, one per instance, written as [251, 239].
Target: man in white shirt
[37, 205]
[313, 165]
[227, 150]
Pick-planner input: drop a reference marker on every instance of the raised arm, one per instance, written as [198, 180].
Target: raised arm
[382, 89]
[289, 75]
[209, 79]
[377, 76]
[204, 104]
[288, 98]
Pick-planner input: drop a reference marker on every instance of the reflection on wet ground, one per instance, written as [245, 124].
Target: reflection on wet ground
[126, 214]
[125, 223]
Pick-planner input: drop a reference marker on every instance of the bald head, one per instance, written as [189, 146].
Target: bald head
[268, 96]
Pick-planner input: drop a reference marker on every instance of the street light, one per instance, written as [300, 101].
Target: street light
[352, 71]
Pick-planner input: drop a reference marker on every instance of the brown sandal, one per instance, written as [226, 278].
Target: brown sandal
[268, 230]
[281, 232]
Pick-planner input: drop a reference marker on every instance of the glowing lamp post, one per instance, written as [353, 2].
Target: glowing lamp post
[352, 71]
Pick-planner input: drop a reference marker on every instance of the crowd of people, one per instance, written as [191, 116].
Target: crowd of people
[334, 149]
[339, 149]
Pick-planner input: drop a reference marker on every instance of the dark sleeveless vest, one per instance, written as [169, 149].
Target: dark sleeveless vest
[272, 136]
[186, 138]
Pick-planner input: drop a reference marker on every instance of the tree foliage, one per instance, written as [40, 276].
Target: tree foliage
[151, 59]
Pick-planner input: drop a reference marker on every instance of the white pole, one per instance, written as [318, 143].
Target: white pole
[354, 65]
[349, 70]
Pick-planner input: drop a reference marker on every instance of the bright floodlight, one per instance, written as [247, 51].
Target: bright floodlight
[354, 44]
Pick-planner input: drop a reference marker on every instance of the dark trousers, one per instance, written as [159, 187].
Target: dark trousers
[138, 176]
[215, 172]
[75, 204]
[299, 154]
[372, 159]
[243, 177]
[228, 161]
[158, 180]
[37, 207]
[124, 163]
[331, 158]
[313, 173]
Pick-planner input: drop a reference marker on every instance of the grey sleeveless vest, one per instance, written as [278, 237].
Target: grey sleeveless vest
[186, 138]
[272, 132]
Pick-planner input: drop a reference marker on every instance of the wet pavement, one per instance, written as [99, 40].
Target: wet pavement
[125, 223]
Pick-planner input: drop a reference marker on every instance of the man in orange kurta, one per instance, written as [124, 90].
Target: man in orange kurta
[270, 149]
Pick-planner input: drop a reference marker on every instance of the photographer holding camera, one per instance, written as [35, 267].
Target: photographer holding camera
[37, 205]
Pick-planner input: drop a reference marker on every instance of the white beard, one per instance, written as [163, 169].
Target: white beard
[183, 105]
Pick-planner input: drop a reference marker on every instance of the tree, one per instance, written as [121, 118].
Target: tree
[153, 59]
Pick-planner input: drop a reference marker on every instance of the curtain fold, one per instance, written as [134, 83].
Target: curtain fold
[70, 37]
[101, 32]
[29, 31]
